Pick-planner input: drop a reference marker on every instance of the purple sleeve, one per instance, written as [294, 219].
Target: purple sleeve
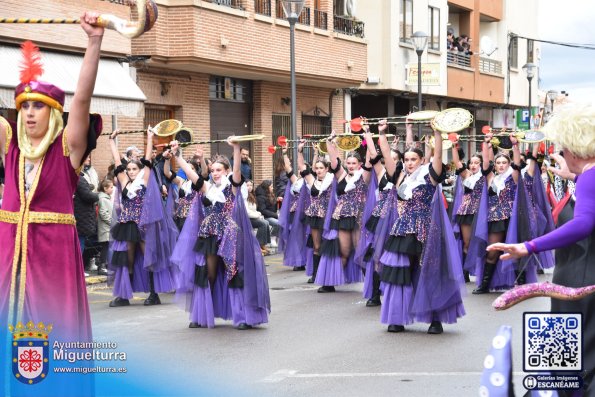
[583, 223]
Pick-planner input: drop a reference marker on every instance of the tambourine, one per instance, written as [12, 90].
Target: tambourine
[452, 120]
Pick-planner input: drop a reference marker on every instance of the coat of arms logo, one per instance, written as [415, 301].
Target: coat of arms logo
[30, 352]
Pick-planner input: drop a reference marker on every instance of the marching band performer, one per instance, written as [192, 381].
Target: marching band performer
[380, 197]
[222, 268]
[185, 193]
[493, 222]
[143, 234]
[319, 183]
[342, 221]
[470, 182]
[293, 236]
[419, 282]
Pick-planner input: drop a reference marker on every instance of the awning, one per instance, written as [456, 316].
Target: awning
[115, 91]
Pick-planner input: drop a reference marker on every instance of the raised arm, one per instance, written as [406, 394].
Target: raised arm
[78, 118]
[309, 178]
[204, 168]
[333, 153]
[516, 157]
[409, 142]
[148, 152]
[389, 164]
[287, 165]
[122, 177]
[532, 160]
[457, 160]
[237, 162]
[167, 168]
[190, 173]
[372, 153]
[437, 159]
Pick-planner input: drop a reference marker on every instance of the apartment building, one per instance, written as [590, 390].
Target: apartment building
[490, 82]
[220, 66]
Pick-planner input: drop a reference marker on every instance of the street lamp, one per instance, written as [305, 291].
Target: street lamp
[530, 69]
[419, 40]
[292, 10]
[552, 94]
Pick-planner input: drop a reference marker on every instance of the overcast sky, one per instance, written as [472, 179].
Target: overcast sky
[564, 68]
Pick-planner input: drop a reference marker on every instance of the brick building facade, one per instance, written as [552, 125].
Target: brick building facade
[220, 67]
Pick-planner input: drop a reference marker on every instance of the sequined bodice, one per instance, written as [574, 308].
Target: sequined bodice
[319, 204]
[379, 209]
[351, 203]
[217, 215]
[184, 204]
[293, 201]
[415, 213]
[470, 202]
[529, 181]
[132, 207]
[500, 205]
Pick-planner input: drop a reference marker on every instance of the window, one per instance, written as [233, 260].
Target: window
[434, 24]
[530, 47]
[406, 21]
[227, 88]
[514, 52]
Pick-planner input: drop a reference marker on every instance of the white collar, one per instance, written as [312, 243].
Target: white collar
[470, 181]
[353, 179]
[215, 192]
[133, 188]
[325, 183]
[499, 181]
[417, 178]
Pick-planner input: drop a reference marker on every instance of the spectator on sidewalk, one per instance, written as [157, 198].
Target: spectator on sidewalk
[86, 217]
[267, 206]
[104, 219]
[263, 231]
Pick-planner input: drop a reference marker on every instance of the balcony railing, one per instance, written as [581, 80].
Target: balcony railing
[303, 19]
[458, 58]
[490, 65]
[228, 3]
[320, 19]
[348, 26]
[262, 7]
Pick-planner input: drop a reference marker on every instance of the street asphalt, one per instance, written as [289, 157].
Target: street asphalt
[314, 344]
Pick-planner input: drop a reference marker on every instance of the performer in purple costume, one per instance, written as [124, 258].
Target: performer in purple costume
[574, 240]
[501, 200]
[185, 193]
[319, 183]
[293, 236]
[41, 269]
[222, 274]
[421, 277]
[470, 182]
[143, 235]
[343, 221]
[375, 211]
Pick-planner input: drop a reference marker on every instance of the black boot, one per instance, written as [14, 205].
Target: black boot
[102, 270]
[521, 277]
[326, 288]
[375, 299]
[119, 302]
[153, 298]
[435, 328]
[488, 272]
[315, 263]
[465, 272]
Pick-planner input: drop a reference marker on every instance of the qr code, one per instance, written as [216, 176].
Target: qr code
[552, 342]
